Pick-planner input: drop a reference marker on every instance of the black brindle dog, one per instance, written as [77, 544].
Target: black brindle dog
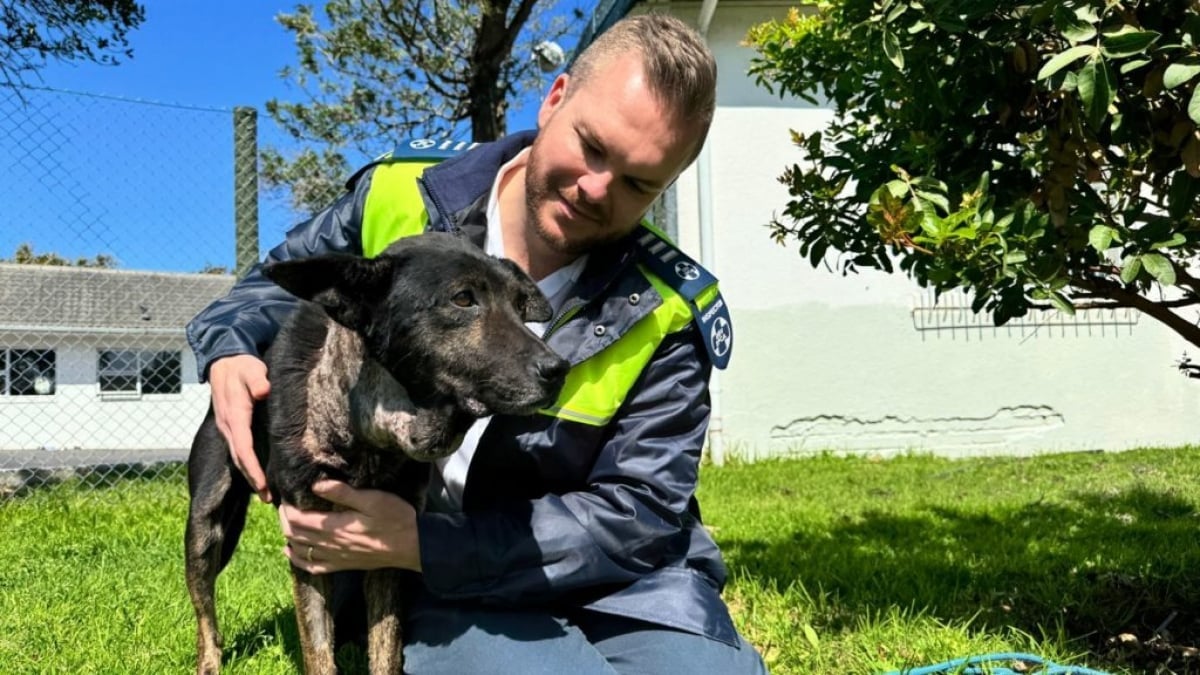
[391, 361]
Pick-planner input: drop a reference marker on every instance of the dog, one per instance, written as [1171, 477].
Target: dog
[382, 369]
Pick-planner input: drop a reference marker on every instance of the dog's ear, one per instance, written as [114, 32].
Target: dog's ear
[346, 286]
[533, 305]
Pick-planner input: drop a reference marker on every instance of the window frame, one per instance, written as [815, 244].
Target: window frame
[136, 372]
[6, 372]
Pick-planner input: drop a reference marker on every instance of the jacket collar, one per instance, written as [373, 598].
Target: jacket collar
[456, 184]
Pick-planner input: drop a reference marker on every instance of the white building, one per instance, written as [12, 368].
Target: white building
[96, 359]
[865, 363]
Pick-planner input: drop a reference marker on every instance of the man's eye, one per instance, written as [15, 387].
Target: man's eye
[463, 299]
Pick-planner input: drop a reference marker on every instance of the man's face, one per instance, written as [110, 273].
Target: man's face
[602, 156]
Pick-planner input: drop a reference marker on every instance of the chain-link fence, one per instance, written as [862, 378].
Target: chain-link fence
[119, 220]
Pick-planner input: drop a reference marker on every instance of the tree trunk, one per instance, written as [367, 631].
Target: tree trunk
[493, 44]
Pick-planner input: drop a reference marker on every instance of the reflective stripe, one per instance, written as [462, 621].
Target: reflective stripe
[596, 388]
[394, 207]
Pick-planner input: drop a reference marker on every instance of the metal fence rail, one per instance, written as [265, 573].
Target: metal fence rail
[137, 204]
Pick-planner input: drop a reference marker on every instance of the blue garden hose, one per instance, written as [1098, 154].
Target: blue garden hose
[970, 665]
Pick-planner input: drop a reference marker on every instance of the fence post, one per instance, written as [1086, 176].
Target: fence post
[245, 188]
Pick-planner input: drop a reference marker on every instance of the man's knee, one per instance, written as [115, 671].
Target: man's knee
[460, 640]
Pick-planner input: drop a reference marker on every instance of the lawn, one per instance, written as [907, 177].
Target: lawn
[838, 565]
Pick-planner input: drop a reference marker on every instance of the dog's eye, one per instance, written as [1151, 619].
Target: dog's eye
[463, 299]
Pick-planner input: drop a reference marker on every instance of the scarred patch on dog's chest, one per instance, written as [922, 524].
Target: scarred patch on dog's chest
[353, 402]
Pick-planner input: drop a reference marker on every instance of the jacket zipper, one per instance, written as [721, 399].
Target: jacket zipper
[568, 310]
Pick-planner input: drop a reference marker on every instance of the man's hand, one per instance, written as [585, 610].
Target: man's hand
[237, 382]
[376, 529]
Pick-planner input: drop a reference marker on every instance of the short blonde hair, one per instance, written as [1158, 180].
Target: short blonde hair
[678, 65]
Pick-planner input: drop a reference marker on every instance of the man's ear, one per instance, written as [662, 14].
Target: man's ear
[533, 305]
[554, 98]
[346, 286]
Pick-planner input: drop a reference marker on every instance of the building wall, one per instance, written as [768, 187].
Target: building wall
[79, 417]
[861, 363]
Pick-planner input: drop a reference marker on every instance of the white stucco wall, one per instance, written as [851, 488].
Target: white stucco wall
[823, 361]
[79, 417]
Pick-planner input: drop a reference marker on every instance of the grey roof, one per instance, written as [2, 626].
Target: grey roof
[34, 297]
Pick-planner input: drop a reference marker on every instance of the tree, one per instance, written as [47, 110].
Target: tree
[25, 255]
[210, 268]
[32, 31]
[375, 72]
[1034, 154]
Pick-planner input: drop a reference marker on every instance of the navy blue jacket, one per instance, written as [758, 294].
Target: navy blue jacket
[555, 513]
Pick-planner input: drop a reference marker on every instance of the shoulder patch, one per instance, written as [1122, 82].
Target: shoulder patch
[429, 149]
[686, 277]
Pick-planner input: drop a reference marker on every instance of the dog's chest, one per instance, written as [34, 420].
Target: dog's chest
[352, 401]
[360, 421]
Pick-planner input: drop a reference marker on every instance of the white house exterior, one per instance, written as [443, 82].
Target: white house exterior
[96, 360]
[864, 363]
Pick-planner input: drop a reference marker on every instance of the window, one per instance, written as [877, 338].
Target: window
[126, 371]
[27, 372]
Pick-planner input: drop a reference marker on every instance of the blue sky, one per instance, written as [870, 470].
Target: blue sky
[150, 184]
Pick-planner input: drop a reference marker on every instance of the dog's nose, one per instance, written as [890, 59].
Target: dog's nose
[551, 368]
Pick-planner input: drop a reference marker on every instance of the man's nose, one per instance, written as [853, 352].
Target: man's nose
[594, 186]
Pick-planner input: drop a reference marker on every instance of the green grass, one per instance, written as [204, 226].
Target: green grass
[838, 565]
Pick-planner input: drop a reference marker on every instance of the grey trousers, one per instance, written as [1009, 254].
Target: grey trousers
[469, 640]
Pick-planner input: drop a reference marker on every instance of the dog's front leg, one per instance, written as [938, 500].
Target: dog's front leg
[385, 634]
[311, 593]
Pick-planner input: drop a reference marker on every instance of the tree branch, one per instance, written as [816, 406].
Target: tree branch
[1160, 311]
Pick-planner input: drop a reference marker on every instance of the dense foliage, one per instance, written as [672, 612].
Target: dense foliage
[1035, 154]
[373, 72]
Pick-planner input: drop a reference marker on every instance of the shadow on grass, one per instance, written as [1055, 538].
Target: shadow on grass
[351, 659]
[1098, 565]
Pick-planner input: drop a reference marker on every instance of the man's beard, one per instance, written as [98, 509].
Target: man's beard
[540, 194]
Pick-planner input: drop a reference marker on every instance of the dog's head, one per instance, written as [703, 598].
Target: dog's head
[446, 320]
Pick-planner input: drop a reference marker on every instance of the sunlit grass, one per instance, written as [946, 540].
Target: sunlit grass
[838, 565]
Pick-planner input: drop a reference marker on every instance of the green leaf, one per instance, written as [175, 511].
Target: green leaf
[1065, 59]
[1160, 268]
[810, 634]
[931, 225]
[1176, 239]
[1130, 66]
[1131, 269]
[1061, 303]
[1128, 43]
[1101, 237]
[1096, 89]
[1015, 257]
[1072, 26]
[891, 49]
[1182, 195]
[1194, 105]
[935, 199]
[1179, 73]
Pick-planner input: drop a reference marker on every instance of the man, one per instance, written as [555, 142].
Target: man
[567, 541]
